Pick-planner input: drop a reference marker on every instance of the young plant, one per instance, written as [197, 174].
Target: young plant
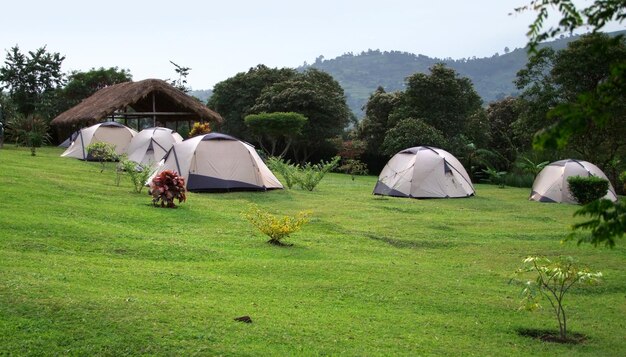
[534, 168]
[587, 189]
[167, 187]
[101, 152]
[354, 167]
[138, 173]
[275, 227]
[309, 176]
[552, 281]
[284, 168]
[495, 177]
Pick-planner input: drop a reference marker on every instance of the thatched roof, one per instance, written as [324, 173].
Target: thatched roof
[170, 103]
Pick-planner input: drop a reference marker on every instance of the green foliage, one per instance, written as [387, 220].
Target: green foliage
[137, 172]
[494, 176]
[101, 152]
[553, 280]
[275, 227]
[622, 178]
[307, 176]
[317, 96]
[273, 127]
[166, 187]
[234, 97]
[608, 222]
[29, 77]
[353, 167]
[531, 167]
[517, 179]
[411, 132]
[284, 168]
[29, 130]
[587, 189]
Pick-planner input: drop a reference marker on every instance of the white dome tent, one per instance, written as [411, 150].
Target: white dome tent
[109, 132]
[551, 183]
[217, 162]
[424, 172]
[151, 145]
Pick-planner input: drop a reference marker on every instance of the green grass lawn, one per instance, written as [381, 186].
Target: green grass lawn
[90, 268]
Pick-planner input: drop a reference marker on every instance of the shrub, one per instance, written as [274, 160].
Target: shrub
[31, 131]
[138, 173]
[515, 179]
[101, 152]
[167, 187]
[494, 176]
[309, 176]
[284, 168]
[552, 281]
[587, 189]
[622, 178]
[275, 227]
[353, 167]
[199, 129]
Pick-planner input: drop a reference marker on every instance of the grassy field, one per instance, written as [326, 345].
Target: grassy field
[90, 268]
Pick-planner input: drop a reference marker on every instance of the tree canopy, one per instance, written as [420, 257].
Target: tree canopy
[28, 77]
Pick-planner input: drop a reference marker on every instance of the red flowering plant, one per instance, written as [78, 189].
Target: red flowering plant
[167, 187]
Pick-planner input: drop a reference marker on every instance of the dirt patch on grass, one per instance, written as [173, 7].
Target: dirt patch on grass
[553, 336]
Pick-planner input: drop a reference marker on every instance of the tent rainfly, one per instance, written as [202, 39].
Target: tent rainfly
[424, 172]
[112, 133]
[150, 145]
[551, 183]
[217, 162]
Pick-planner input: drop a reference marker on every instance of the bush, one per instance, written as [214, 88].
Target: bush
[494, 176]
[519, 179]
[587, 189]
[138, 173]
[307, 176]
[167, 187]
[284, 168]
[622, 178]
[275, 227]
[101, 152]
[353, 167]
[199, 129]
[31, 131]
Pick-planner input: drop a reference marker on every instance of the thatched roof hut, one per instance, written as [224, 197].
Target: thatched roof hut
[150, 98]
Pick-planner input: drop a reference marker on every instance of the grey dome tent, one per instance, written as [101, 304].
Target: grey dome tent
[151, 145]
[217, 162]
[551, 183]
[109, 132]
[424, 172]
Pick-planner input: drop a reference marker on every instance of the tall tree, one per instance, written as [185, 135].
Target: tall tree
[566, 76]
[442, 99]
[317, 96]
[501, 117]
[276, 131]
[28, 77]
[234, 97]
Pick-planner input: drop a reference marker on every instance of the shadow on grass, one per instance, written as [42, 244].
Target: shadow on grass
[419, 244]
[553, 336]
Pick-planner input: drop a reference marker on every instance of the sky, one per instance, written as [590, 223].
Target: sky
[220, 39]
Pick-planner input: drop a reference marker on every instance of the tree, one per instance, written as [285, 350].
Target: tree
[411, 132]
[81, 85]
[501, 115]
[568, 74]
[181, 82]
[608, 218]
[234, 97]
[442, 99]
[317, 96]
[276, 128]
[29, 77]
[373, 128]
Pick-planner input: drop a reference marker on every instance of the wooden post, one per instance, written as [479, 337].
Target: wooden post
[153, 110]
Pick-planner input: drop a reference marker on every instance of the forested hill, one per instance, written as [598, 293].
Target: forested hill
[360, 74]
